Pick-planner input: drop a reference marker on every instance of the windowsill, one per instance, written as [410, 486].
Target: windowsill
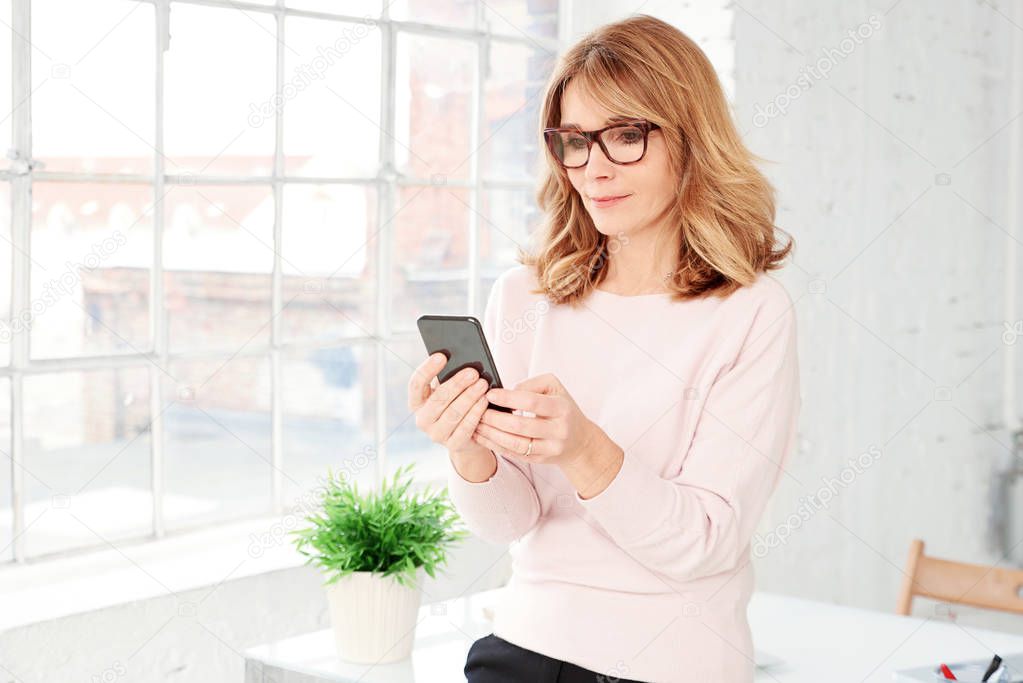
[50, 589]
[53, 588]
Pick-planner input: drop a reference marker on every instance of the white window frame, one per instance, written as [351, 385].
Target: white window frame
[388, 180]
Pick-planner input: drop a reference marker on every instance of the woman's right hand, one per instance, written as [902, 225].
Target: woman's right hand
[449, 411]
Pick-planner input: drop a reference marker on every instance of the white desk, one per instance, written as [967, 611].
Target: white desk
[814, 642]
[819, 641]
[444, 633]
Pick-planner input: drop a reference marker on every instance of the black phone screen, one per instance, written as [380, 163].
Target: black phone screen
[460, 338]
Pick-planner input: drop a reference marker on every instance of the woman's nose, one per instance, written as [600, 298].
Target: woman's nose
[598, 165]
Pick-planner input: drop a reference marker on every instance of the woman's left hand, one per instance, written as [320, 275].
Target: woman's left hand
[560, 431]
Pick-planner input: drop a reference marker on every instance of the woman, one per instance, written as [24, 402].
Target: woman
[651, 366]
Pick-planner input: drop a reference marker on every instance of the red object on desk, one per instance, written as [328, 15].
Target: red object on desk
[948, 673]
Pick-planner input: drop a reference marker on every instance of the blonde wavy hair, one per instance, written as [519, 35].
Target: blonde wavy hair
[724, 210]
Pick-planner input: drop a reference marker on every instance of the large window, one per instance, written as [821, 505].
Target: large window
[219, 222]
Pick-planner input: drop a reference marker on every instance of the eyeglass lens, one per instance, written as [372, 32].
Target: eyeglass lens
[624, 144]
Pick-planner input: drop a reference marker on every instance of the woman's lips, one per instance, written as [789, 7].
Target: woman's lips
[607, 203]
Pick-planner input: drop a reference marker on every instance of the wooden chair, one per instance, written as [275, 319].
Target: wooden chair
[959, 582]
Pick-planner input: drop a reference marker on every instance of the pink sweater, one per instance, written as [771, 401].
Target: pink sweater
[650, 578]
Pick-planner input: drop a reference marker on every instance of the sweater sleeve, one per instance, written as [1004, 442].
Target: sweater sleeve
[700, 522]
[506, 506]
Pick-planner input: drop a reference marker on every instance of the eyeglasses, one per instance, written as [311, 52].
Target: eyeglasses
[622, 143]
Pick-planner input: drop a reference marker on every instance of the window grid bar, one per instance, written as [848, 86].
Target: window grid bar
[132, 360]
[386, 201]
[21, 231]
[171, 179]
[157, 310]
[416, 27]
[475, 136]
[112, 178]
[276, 298]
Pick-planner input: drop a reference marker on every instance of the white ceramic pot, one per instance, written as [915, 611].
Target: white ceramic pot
[374, 617]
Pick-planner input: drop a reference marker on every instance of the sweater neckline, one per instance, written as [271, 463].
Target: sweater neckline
[611, 295]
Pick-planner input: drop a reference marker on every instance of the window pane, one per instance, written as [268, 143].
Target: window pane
[523, 17]
[217, 447]
[331, 95]
[6, 514]
[454, 13]
[351, 8]
[431, 260]
[6, 123]
[87, 459]
[6, 266]
[435, 91]
[92, 247]
[329, 408]
[218, 251]
[406, 442]
[233, 83]
[508, 220]
[329, 239]
[514, 90]
[83, 118]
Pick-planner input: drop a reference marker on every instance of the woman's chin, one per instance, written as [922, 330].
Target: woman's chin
[616, 228]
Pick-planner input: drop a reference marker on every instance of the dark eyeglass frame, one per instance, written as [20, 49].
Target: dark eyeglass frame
[592, 136]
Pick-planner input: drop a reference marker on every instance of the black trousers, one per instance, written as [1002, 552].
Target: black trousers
[494, 660]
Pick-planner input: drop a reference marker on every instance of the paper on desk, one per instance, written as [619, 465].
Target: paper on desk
[1013, 662]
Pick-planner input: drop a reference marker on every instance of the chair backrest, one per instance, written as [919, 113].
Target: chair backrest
[959, 582]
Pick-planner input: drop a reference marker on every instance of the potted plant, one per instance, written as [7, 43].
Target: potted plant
[373, 549]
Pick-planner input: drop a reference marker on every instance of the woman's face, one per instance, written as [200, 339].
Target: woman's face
[648, 184]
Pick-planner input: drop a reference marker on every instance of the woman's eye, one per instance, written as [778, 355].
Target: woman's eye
[628, 137]
[576, 143]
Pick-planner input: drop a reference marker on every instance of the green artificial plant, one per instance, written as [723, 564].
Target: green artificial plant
[389, 531]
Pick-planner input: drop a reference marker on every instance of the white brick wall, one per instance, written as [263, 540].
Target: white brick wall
[893, 177]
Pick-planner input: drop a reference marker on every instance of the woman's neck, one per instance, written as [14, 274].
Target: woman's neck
[629, 270]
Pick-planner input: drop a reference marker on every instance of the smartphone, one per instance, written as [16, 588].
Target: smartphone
[460, 338]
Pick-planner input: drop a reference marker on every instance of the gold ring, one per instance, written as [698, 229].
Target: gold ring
[530, 448]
